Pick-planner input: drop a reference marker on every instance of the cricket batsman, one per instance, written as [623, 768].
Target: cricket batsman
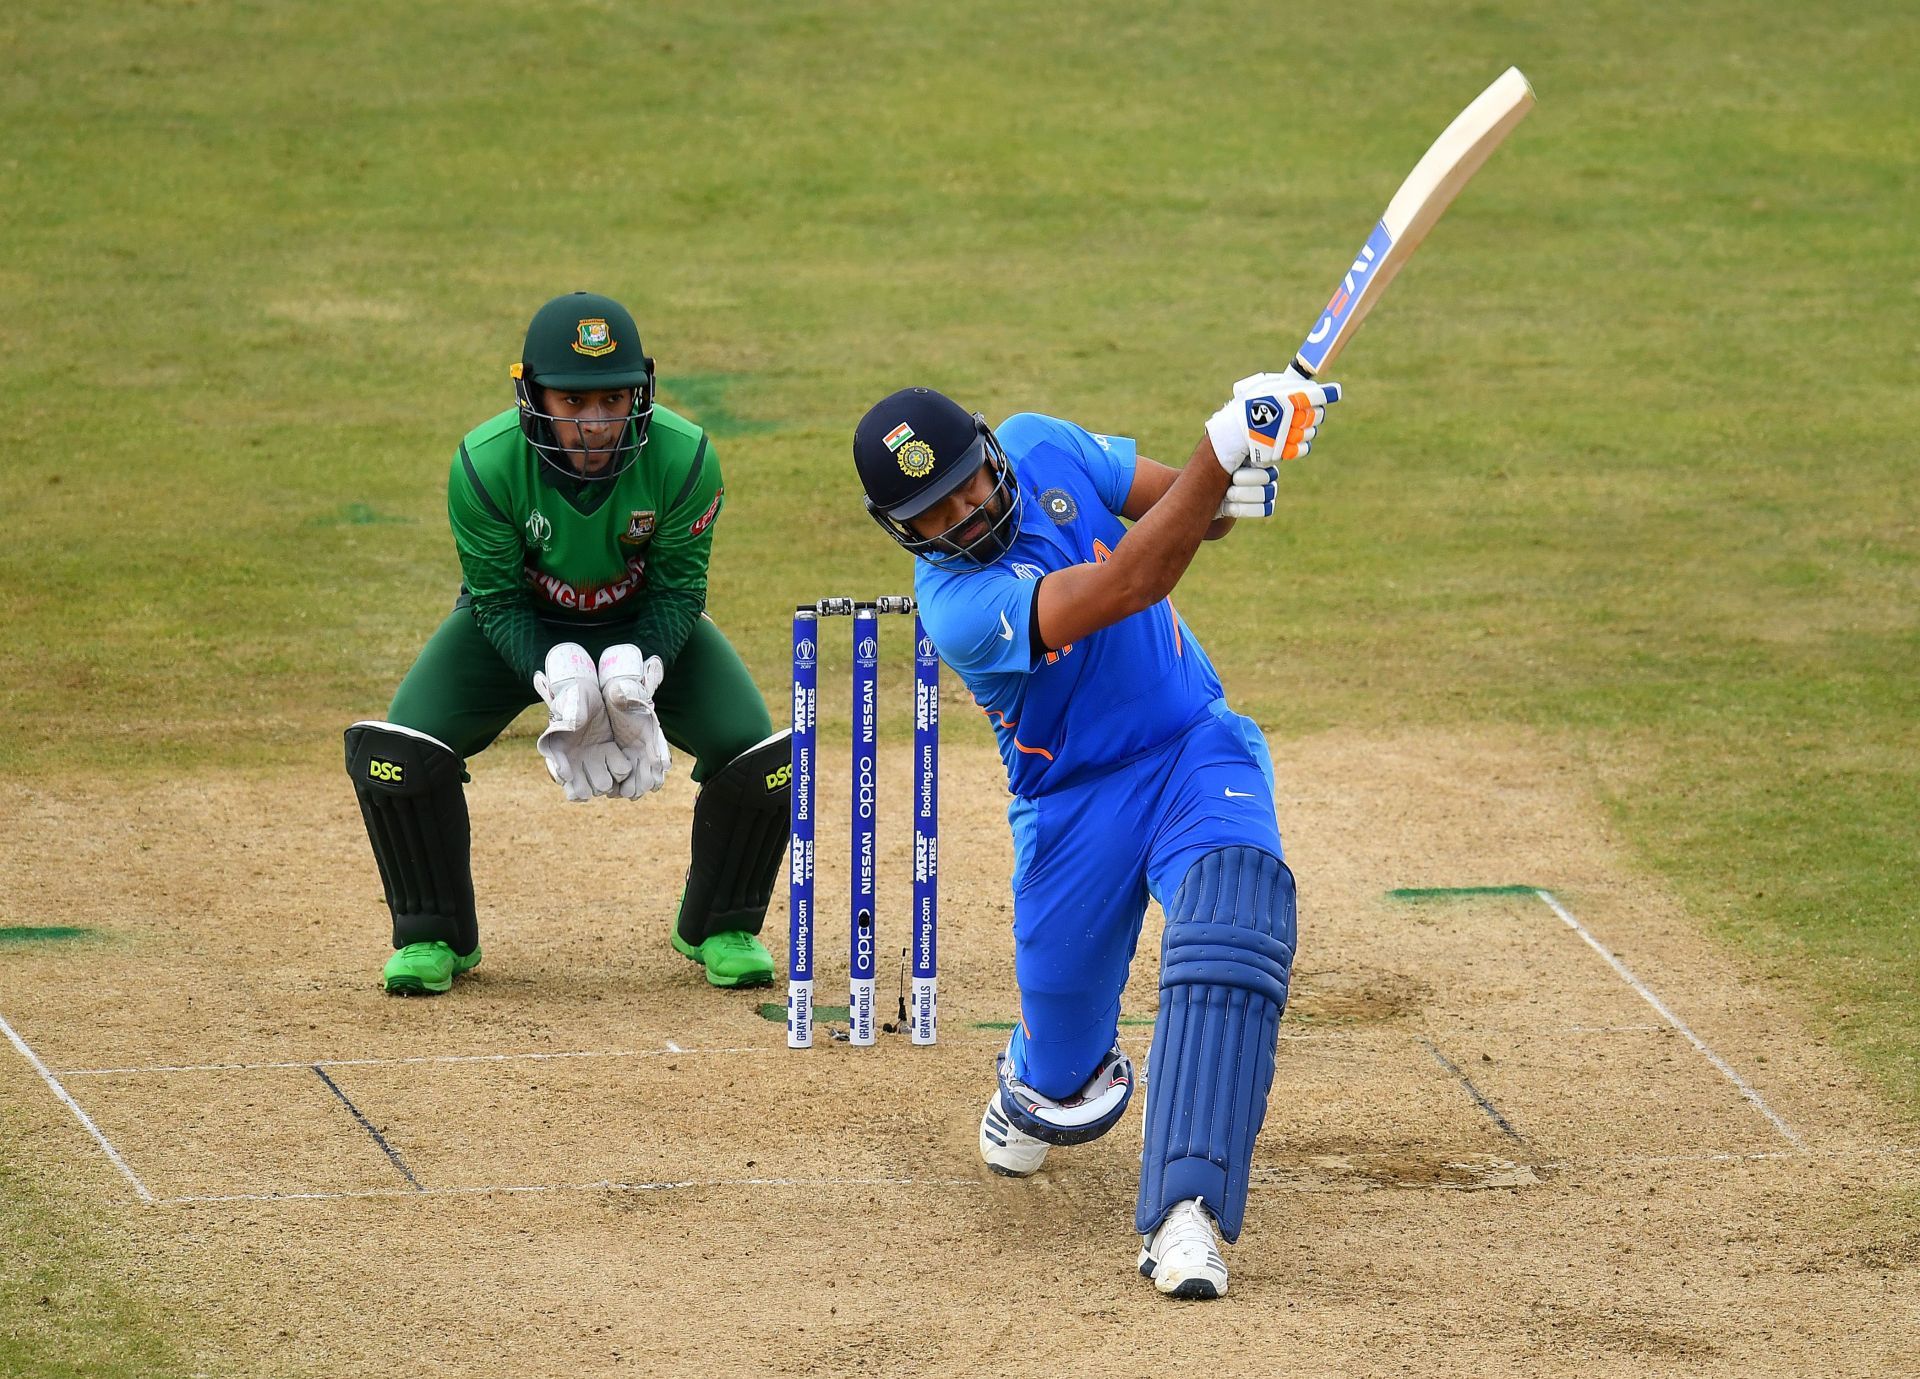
[1131, 777]
[584, 518]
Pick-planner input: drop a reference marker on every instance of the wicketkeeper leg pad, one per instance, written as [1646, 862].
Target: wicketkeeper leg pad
[740, 829]
[409, 786]
[1224, 965]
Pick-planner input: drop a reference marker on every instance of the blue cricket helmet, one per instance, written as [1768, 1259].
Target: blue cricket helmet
[914, 448]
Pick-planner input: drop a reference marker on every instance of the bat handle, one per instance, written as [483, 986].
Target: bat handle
[1333, 389]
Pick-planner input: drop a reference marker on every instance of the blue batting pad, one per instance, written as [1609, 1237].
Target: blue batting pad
[1224, 965]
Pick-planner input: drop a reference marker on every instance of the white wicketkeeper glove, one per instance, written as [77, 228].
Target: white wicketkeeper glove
[1270, 417]
[627, 683]
[578, 743]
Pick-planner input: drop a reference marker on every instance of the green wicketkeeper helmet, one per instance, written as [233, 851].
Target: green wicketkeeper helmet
[583, 342]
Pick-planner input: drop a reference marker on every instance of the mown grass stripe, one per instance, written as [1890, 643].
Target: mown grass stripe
[41, 933]
[1456, 892]
[777, 1012]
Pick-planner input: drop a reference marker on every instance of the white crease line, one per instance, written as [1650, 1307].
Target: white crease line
[606, 1186]
[1646, 993]
[1753, 1156]
[1265, 1179]
[670, 1050]
[66, 1100]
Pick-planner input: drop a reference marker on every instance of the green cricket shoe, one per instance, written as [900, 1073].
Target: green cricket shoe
[731, 959]
[425, 969]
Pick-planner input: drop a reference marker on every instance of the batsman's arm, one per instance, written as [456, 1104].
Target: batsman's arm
[1143, 569]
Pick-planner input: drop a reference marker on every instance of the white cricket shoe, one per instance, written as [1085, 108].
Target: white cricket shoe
[1009, 1151]
[1182, 1256]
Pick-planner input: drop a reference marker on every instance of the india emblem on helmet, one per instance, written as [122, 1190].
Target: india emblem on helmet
[916, 459]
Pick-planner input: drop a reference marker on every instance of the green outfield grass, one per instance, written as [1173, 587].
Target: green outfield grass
[1625, 462]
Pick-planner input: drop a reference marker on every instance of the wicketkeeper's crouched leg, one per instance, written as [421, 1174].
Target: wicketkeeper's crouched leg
[710, 708]
[411, 800]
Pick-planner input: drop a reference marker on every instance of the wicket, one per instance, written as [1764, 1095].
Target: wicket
[862, 810]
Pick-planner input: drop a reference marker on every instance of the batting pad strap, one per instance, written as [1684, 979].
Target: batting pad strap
[409, 788]
[1225, 962]
[740, 829]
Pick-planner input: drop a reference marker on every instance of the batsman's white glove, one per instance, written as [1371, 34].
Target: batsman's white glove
[578, 743]
[627, 683]
[1251, 494]
[1270, 417]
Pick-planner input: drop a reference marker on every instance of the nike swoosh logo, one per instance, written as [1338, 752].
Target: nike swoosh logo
[1006, 628]
[1233, 794]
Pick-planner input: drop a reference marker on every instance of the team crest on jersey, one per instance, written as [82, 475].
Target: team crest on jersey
[595, 338]
[1059, 506]
[916, 459]
[539, 529]
[639, 528]
[1022, 570]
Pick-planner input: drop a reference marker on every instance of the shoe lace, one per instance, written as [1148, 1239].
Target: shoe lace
[1187, 1224]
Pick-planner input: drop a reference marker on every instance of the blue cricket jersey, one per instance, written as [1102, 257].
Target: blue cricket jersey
[1097, 703]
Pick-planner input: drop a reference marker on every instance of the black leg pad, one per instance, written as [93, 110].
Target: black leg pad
[409, 786]
[740, 828]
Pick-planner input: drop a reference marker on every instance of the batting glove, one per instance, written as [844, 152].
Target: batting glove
[1270, 417]
[1252, 493]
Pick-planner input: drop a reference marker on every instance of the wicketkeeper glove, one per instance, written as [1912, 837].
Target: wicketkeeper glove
[578, 743]
[627, 682]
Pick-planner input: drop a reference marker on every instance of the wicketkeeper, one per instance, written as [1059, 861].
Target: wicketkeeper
[584, 519]
[1130, 774]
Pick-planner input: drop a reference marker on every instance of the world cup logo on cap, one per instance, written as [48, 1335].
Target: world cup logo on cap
[595, 338]
[916, 459]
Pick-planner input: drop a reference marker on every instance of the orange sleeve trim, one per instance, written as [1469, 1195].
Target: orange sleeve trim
[1035, 751]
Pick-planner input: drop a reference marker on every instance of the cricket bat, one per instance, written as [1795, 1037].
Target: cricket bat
[1429, 189]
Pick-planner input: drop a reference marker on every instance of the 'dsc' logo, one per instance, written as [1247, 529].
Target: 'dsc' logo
[390, 771]
[777, 779]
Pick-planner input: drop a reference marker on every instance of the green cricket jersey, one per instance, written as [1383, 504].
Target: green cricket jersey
[540, 552]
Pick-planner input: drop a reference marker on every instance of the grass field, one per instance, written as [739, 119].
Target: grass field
[1624, 466]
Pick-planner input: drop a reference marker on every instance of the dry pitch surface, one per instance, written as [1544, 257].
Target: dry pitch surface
[1488, 1150]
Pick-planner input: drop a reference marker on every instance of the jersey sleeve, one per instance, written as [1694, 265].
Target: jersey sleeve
[492, 564]
[979, 620]
[1108, 461]
[676, 589]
